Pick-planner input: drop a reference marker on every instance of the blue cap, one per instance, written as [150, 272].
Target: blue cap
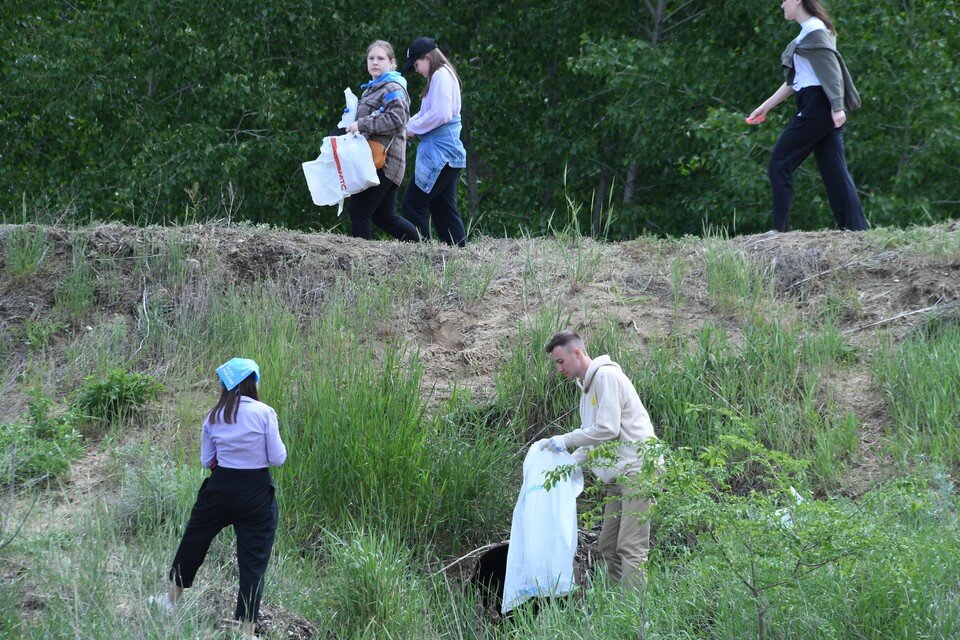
[234, 371]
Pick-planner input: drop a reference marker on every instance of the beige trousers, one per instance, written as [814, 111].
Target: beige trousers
[624, 540]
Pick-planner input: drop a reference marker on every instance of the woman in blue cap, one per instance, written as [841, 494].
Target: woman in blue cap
[240, 441]
[440, 155]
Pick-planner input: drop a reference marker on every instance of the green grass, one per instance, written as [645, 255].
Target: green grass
[24, 250]
[934, 242]
[74, 294]
[736, 282]
[775, 374]
[920, 379]
[371, 588]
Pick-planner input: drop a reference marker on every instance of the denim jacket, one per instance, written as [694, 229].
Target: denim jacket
[436, 149]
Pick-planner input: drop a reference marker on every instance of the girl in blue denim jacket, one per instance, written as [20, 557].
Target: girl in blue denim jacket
[440, 155]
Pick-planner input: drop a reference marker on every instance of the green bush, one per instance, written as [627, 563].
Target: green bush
[104, 400]
[42, 446]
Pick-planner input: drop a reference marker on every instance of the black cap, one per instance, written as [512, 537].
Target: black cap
[417, 49]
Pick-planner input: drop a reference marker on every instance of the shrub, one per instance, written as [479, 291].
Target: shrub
[104, 400]
[42, 446]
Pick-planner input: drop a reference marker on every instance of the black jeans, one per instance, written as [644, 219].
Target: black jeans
[245, 499]
[812, 130]
[379, 205]
[440, 204]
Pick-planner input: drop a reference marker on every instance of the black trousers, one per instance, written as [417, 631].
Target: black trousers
[440, 204]
[245, 499]
[812, 130]
[379, 205]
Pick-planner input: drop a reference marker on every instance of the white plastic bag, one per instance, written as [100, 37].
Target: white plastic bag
[543, 535]
[350, 113]
[344, 167]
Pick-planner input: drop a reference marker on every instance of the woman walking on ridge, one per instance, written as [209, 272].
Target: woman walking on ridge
[382, 115]
[432, 193]
[824, 90]
[240, 440]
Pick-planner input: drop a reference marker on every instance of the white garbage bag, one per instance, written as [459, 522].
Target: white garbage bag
[344, 167]
[350, 113]
[543, 536]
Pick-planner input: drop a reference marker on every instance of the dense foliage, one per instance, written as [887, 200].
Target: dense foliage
[170, 111]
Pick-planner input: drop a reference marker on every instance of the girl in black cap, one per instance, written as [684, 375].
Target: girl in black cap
[816, 73]
[440, 155]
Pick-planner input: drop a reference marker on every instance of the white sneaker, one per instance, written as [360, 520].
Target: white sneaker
[161, 601]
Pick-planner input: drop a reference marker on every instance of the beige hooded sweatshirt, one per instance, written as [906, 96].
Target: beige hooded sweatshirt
[610, 409]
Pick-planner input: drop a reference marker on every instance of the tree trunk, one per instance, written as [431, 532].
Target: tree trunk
[473, 183]
[603, 189]
[630, 188]
[550, 86]
[152, 79]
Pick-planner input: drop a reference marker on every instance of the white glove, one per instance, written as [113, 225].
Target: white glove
[552, 444]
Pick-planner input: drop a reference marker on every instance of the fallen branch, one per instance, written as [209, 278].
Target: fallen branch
[471, 554]
[823, 273]
[905, 314]
[146, 317]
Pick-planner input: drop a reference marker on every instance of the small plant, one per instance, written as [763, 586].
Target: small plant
[104, 400]
[37, 332]
[23, 252]
[145, 503]
[40, 446]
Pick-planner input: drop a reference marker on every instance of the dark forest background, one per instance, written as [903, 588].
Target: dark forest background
[625, 117]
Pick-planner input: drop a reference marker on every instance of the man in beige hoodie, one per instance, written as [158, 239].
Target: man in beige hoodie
[610, 410]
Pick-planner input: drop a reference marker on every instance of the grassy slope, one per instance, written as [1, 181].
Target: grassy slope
[409, 378]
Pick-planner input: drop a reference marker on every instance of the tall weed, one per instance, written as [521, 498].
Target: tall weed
[24, 249]
[775, 376]
[371, 588]
[921, 381]
[73, 296]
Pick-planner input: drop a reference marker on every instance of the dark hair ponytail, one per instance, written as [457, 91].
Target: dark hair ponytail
[229, 402]
[814, 8]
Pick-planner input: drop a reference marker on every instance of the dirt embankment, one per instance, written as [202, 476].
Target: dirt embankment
[470, 302]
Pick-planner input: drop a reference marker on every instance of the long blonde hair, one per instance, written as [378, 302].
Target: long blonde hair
[438, 61]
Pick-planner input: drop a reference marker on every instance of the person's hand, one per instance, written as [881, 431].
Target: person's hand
[756, 115]
[839, 117]
[353, 127]
[552, 444]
